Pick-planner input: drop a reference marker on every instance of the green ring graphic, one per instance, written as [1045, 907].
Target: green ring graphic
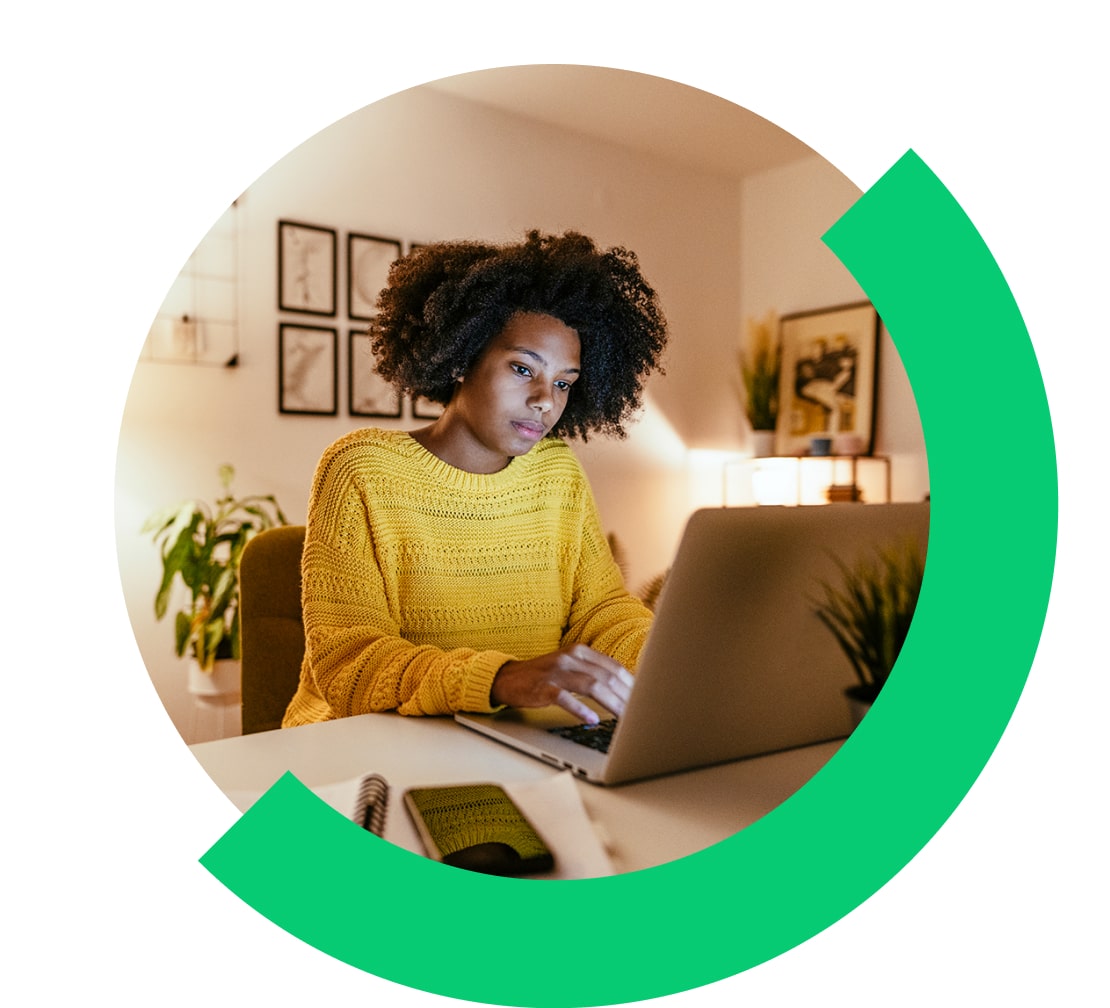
[889, 789]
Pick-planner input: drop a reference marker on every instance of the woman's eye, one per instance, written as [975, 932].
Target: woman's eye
[563, 386]
[521, 370]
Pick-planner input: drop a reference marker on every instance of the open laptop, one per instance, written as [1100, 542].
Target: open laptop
[736, 664]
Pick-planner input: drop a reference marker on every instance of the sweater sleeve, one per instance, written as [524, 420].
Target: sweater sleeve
[356, 661]
[604, 614]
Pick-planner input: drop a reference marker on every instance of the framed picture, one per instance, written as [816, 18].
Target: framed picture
[425, 409]
[306, 268]
[368, 261]
[308, 371]
[827, 380]
[368, 393]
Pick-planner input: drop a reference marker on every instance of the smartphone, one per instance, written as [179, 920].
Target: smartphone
[477, 827]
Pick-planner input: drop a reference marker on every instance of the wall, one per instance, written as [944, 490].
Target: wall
[422, 166]
[787, 268]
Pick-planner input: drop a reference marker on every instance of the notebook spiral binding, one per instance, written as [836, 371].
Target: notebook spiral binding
[371, 804]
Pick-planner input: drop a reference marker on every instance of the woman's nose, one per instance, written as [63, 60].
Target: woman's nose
[540, 401]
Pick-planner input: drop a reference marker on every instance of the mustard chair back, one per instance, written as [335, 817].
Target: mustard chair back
[271, 628]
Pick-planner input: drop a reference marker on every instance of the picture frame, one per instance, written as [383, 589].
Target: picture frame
[307, 278]
[827, 381]
[425, 409]
[368, 260]
[308, 369]
[368, 393]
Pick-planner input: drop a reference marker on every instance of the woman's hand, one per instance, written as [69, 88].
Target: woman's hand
[556, 677]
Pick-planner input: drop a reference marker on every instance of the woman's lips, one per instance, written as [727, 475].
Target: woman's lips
[532, 431]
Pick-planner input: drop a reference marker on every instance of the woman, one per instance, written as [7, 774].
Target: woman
[463, 566]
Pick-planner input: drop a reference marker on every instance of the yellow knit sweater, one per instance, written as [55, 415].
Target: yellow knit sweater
[421, 580]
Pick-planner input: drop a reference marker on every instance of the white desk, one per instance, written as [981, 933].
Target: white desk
[645, 823]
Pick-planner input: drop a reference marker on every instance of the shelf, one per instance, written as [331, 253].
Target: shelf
[198, 320]
[806, 479]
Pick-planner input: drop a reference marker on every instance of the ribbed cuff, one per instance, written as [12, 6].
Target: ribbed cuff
[479, 681]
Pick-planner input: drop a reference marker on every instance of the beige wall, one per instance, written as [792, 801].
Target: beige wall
[422, 166]
[787, 268]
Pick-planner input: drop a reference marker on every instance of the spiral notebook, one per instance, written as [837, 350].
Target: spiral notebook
[371, 804]
[364, 800]
[552, 804]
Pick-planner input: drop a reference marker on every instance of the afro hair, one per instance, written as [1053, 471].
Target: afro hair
[445, 301]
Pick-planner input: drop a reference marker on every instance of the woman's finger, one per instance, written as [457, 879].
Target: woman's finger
[569, 702]
[599, 677]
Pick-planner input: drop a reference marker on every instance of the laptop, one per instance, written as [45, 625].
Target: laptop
[737, 664]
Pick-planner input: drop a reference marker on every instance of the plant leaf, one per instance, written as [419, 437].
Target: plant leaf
[175, 562]
[203, 546]
[182, 631]
[870, 613]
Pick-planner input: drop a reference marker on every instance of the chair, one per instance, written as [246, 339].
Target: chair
[271, 628]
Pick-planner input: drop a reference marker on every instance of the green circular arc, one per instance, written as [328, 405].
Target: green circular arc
[870, 810]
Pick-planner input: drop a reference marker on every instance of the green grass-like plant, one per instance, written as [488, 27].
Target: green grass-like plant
[760, 364]
[201, 545]
[869, 612]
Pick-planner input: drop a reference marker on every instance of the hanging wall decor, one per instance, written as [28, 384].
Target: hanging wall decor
[827, 378]
[368, 262]
[368, 393]
[306, 268]
[424, 409]
[308, 373]
[198, 321]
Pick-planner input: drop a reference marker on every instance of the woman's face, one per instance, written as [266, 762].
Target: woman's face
[515, 392]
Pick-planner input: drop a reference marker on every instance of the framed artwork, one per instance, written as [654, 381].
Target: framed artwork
[308, 369]
[425, 409]
[368, 261]
[368, 393]
[827, 380]
[306, 268]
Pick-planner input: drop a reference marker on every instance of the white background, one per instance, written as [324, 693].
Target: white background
[128, 127]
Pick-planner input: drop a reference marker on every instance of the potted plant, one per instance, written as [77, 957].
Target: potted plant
[760, 363]
[201, 545]
[869, 613]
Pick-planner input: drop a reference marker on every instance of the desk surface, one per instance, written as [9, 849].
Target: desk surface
[644, 823]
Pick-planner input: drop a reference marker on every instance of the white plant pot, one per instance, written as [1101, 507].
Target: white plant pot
[763, 443]
[216, 697]
[223, 683]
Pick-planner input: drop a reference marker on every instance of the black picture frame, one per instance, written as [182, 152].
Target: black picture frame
[368, 393]
[425, 409]
[368, 260]
[828, 378]
[308, 369]
[307, 268]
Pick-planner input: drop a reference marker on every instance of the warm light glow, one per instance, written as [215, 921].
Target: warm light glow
[815, 477]
[708, 475]
[653, 428]
[775, 481]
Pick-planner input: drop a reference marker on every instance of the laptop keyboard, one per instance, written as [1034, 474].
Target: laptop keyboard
[596, 736]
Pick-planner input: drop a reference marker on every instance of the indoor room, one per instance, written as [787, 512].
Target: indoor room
[724, 210]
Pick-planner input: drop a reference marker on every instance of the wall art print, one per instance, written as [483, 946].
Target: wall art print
[368, 393]
[306, 268]
[308, 369]
[368, 262]
[827, 381]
